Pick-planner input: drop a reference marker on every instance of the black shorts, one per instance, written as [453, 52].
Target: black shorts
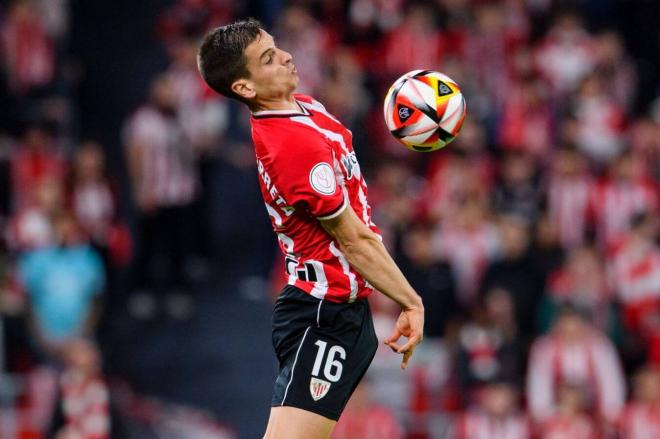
[323, 348]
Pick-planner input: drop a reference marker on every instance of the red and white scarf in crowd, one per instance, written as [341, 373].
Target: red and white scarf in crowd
[592, 362]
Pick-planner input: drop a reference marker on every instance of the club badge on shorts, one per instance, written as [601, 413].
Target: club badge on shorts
[318, 388]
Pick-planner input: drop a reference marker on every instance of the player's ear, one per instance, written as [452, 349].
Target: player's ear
[244, 88]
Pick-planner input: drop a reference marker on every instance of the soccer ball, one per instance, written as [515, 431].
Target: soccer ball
[424, 110]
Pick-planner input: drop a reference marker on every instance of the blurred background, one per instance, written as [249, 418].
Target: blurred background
[138, 268]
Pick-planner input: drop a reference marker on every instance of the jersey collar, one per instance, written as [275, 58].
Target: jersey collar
[281, 113]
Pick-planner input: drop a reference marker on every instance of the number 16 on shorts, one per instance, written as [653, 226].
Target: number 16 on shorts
[330, 366]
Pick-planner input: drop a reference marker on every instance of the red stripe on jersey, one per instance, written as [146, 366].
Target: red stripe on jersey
[308, 172]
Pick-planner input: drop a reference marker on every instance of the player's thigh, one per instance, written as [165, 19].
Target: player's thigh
[294, 423]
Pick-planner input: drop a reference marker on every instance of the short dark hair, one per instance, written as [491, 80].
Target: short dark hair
[221, 59]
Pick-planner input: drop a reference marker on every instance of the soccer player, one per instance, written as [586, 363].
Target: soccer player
[316, 198]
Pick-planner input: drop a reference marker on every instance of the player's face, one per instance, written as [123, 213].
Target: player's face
[272, 73]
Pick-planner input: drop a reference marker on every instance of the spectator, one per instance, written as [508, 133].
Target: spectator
[164, 176]
[580, 282]
[203, 116]
[490, 347]
[568, 190]
[599, 121]
[383, 14]
[32, 227]
[565, 55]
[93, 200]
[515, 271]
[526, 122]
[641, 418]
[36, 158]
[432, 278]
[518, 193]
[27, 49]
[84, 400]
[644, 137]
[615, 69]
[469, 242]
[616, 199]
[575, 353]
[364, 419]
[570, 421]
[486, 49]
[633, 265]
[497, 416]
[63, 283]
[546, 253]
[392, 196]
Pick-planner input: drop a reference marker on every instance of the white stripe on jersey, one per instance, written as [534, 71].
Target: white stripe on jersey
[365, 205]
[276, 216]
[317, 106]
[327, 133]
[287, 243]
[347, 271]
[321, 285]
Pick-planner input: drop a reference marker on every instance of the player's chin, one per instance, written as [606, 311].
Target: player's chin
[293, 85]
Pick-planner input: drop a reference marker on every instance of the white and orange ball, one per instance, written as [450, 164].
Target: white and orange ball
[424, 110]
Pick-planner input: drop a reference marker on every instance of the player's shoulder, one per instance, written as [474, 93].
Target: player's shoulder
[287, 133]
[300, 97]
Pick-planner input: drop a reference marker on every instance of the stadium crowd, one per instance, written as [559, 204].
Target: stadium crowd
[533, 237]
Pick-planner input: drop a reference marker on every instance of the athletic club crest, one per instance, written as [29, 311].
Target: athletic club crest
[318, 388]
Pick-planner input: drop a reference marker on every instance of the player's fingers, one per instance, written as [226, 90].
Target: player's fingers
[391, 341]
[410, 344]
[395, 347]
[396, 334]
[406, 358]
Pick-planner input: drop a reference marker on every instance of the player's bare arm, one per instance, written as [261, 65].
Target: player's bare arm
[367, 254]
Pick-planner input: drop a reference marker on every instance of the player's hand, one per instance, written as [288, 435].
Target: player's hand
[410, 324]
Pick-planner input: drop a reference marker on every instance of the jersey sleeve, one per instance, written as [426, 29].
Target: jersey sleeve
[306, 175]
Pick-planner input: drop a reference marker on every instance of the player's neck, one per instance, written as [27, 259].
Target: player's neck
[288, 103]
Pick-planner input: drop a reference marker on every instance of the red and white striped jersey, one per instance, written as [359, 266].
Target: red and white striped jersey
[591, 362]
[468, 250]
[478, 425]
[640, 421]
[168, 165]
[308, 172]
[568, 207]
[614, 205]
